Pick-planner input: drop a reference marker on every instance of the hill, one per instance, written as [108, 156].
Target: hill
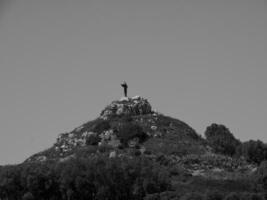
[132, 152]
[161, 133]
[129, 126]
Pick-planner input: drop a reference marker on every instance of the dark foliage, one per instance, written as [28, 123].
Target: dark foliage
[129, 131]
[261, 175]
[100, 126]
[256, 197]
[192, 196]
[232, 196]
[214, 195]
[221, 139]
[93, 139]
[253, 151]
[82, 179]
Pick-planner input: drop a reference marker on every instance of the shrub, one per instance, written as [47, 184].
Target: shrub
[261, 175]
[253, 151]
[104, 148]
[87, 150]
[129, 131]
[100, 126]
[232, 196]
[245, 196]
[213, 195]
[192, 196]
[169, 195]
[256, 197]
[221, 139]
[173, 147]
[93, 139]
[152, 197]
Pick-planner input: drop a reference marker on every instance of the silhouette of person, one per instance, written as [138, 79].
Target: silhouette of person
[125, 87]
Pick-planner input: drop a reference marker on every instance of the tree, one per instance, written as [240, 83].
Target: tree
[253, 151]
[129, 131]
[221, 139]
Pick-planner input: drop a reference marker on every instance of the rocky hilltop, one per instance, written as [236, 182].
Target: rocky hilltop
[127, 106]
[106, 130]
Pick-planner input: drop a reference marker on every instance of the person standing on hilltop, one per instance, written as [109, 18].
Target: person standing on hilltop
[125, 87]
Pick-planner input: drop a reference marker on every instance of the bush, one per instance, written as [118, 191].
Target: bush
[129, 131]
[256, 197]
[152, 197]
[253, 151]
[169, 195]
[93, 139]
[192, 196]
[84, 178]
[86, 151]
[261, 175]
[232, 196]
[221, 139]
[100, 126]
[105, 148]
[213, 195]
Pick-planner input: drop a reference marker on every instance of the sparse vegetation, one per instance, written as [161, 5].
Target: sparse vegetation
[253, 151]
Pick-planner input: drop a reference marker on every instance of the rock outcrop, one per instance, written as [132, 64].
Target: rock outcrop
[127, 106]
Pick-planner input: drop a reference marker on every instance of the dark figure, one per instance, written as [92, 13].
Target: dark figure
[125, 87]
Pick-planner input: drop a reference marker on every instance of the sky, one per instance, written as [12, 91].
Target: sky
[62, 62]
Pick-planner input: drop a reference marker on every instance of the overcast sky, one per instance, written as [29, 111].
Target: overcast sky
[62, 61]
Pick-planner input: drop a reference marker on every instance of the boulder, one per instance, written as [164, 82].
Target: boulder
[112, 154]
[133, 142]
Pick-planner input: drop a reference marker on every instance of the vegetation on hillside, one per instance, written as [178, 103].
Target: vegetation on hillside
[131, 152]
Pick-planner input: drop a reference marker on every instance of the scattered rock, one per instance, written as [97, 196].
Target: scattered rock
[198, 172]
[66, 158]
[124, 99]
[112, 154]
[142, 149]
[133, 142]
[217, 169]
[41, 158]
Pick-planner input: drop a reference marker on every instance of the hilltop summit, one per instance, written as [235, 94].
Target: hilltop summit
[127, 106]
